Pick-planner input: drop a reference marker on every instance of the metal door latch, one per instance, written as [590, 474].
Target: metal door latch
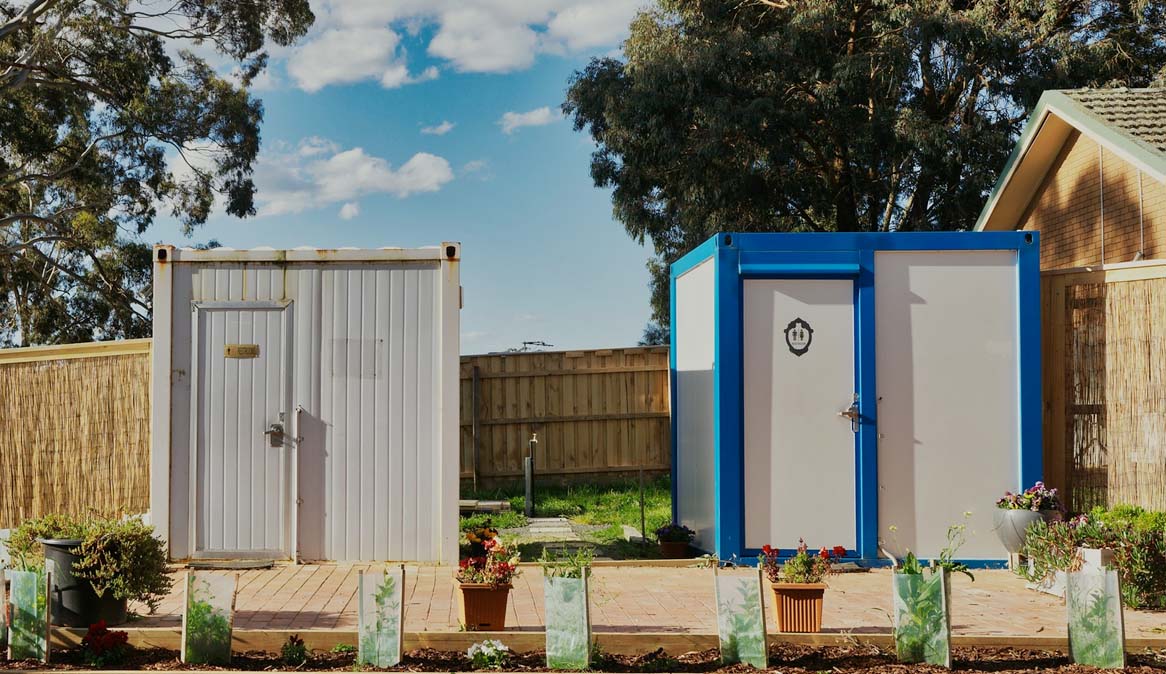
[852, 414]
[275, 435]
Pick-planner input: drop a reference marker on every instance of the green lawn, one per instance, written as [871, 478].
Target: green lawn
[608, 505]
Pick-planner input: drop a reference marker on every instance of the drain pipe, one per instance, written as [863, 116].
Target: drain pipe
[1101, 195]
[1141, 254]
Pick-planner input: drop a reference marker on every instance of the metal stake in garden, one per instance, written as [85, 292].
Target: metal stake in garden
[528, 475]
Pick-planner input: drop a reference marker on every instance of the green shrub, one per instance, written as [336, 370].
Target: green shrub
[293, 653]
[27, 554]
[1138, 540]
[1049, 547]
[1140, 519]
[118, 556]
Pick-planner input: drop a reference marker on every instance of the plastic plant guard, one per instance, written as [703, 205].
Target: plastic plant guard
[3, 612]
[1096, 623]
[568, 622]
[922, 617]
[741, 618]
[381, 617]
[206, 623]
[29, 630]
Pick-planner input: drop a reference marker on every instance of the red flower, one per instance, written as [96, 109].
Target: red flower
[100, 640]
[489, 543]
[824, 553]
[767, 551]
[839, 551]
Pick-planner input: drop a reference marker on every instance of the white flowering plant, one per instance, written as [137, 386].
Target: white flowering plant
[488, 654]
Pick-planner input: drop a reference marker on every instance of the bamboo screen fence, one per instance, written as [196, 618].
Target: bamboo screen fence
[74, 429]
[1105, 385]
[600, 411]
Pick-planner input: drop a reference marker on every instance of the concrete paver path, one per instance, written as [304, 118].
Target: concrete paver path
[630, 599]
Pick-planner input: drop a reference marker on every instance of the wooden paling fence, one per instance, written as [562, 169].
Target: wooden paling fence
[1105, 384]
[74, 429]
[598, 411]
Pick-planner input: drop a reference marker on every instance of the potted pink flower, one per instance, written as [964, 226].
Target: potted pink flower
[1015, 513]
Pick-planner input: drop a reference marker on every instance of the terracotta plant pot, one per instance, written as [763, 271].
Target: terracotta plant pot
[797, 607]
[481, 607]
[674, 549]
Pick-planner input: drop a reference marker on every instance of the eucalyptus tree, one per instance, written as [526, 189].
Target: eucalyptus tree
[835, 115]
[113, 113]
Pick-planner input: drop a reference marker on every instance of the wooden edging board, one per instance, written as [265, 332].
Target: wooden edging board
[636, 563]
[623, 643]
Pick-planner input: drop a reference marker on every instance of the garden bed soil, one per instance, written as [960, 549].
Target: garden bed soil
[786, 658]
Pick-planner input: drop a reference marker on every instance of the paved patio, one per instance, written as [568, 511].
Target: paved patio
[630, 599]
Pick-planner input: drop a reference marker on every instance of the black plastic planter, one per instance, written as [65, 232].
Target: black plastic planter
[73, 601]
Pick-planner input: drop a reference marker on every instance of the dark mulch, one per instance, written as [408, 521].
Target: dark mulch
[784, 658]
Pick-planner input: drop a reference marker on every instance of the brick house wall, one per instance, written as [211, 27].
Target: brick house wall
[1067, 209]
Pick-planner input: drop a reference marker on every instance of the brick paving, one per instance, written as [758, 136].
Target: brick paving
[630, 599]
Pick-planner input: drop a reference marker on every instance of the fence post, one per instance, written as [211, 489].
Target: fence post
[475, 399]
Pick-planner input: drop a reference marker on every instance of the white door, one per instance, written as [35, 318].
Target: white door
[241, 460]
[799, 374]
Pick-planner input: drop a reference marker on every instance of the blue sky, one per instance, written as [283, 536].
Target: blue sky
[410, 123]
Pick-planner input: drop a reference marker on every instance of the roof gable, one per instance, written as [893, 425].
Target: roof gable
[1131, 123]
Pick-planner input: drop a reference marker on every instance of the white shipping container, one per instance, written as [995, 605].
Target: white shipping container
[305, 403]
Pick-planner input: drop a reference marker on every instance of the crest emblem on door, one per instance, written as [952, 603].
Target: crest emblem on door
[798, 335]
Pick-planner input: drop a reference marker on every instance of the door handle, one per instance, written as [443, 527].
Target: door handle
[853, 414]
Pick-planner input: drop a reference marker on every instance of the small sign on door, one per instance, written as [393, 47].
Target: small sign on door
[798, 335]
[241, 350]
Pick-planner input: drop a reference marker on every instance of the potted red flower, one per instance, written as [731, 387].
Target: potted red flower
[484, 584]
[798, 587]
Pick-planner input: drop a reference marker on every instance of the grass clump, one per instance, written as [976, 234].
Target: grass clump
[616, 503]
[505, 519]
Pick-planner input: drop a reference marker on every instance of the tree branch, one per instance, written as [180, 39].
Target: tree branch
[31, 12]
[61, 172]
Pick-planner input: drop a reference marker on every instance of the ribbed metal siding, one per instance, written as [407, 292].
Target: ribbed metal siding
[379, 412]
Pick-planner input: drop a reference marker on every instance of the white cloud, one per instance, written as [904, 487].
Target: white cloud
[587, 25]
[313, 146]
[438, 129]
[477, 40]
[316, 173]
[361, 40]
[512, 121]
[353, 54]
[479, 169]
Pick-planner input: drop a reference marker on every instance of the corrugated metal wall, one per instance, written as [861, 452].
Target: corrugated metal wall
[377, 401]
[364, 359]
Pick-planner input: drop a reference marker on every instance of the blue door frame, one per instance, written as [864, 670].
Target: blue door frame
[838, 255]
